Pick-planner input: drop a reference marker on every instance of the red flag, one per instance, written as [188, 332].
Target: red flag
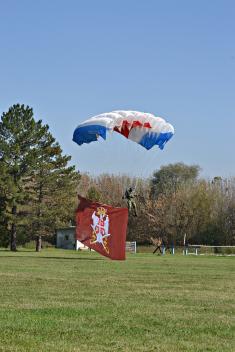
[102, 228]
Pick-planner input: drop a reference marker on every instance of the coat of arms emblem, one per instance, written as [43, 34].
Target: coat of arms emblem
[100, 228]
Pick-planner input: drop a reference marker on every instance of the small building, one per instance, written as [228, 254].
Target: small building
[66, 239]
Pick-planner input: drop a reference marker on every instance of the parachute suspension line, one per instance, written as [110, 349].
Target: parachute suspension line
[136, 171]
[136, 183]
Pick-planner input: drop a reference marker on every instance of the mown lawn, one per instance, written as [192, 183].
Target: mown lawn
[65, 301]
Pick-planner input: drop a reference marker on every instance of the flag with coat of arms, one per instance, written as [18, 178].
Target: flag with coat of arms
[102, 228]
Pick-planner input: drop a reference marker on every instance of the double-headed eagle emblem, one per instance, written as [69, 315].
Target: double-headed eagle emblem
[100, 228]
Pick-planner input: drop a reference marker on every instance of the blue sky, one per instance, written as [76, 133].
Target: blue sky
[70, 60]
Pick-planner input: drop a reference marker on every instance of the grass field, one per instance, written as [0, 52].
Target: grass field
[65, 301]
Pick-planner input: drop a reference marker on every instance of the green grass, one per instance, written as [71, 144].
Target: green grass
[65, 301]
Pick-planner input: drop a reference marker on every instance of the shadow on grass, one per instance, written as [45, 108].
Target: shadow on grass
[60, 258]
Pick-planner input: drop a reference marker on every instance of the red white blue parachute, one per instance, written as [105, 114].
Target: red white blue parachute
[140, 127]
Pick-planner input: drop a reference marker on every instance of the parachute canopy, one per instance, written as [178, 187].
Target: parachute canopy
[140, 127]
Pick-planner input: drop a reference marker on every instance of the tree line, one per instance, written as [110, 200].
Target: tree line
[173, 202]
[38, 192]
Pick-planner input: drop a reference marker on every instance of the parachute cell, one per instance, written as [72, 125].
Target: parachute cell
[142, 128]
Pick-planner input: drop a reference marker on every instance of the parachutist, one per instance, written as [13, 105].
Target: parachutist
[130, 197]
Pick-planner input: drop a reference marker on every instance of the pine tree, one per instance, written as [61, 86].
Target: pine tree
[4, 235]
[19, 136]
[39, 186]
[53, 185]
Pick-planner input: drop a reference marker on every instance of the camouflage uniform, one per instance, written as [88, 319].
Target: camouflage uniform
[129, 196]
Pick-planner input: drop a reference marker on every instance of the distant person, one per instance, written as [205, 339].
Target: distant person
[158, 243]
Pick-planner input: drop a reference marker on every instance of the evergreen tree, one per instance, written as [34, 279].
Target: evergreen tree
[37, 179]
[53, 185]
[4, 235]
[19, 136]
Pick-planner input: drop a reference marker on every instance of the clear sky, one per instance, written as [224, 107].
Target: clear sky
[70, 60]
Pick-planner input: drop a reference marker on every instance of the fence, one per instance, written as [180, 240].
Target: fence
[204, 249]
